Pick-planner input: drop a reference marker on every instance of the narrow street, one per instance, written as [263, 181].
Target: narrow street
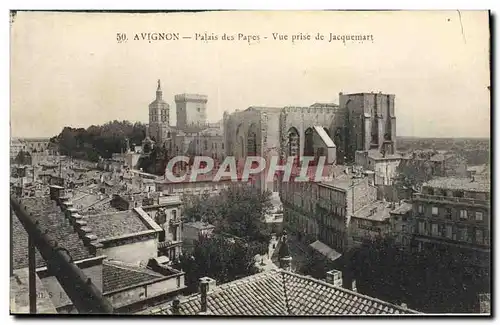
[298, 251]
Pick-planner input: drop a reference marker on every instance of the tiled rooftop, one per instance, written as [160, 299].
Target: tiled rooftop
[117, 275]
[115, 224]
[402, 208]
[100, 208]
[82, 201]
[465, 184]
[281, 293]
[380, 211]
[50, 219]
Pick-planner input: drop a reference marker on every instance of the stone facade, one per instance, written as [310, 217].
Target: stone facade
[361, 122]
[371, 122]
[454, 213]
[384, 166]
[402, 222]
[323, 211]
[191, 109]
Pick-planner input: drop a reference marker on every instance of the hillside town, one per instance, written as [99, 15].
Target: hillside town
[387, 232]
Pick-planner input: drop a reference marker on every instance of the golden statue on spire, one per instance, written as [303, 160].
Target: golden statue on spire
[159, 86]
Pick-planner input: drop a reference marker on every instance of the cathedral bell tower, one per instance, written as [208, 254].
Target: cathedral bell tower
[159, 117]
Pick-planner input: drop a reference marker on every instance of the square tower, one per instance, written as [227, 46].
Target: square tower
[191, 109]
[371, 122]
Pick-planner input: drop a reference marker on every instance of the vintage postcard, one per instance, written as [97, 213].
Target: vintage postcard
[234, 163]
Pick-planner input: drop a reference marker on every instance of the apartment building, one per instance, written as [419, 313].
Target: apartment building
[454, 214]
[323, 210]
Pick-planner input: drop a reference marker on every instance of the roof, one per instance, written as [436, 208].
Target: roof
[100, 207]
[160, 101]
[118, 275]
[52, 220]
[402, 208]
[208, 177]
[190, 97]
[116, 224]
[281, 293]
[324, 136]
[331, 105]
[478, 169]
[263, 109]
[465, 184]
[377, 155]
[342, 180]
[377, 211]
[326, 250]
[82, 200]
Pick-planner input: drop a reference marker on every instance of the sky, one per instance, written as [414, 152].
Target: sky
[67, 69]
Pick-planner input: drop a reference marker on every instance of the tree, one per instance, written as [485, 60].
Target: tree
[412, 173]
[315, 266]
[98, 140]
[218, 258]
[238, 211]
[433, 280]
[23, 158]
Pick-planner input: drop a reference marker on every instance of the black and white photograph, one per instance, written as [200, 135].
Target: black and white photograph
[250, 163]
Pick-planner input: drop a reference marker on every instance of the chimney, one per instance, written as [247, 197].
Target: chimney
[96, 248]
[210, 282]
[68, 214]
[89, 238]
[404, 305]
[204, 286]
[284, 254]
[74, 218]
[83, 230]
[176, 306]
[353, 286]
[334, 277]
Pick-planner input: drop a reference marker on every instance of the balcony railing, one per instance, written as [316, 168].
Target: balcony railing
[419, 196]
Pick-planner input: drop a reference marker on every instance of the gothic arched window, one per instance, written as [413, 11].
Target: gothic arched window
[293, 142]
[252, 144]
[309, 143]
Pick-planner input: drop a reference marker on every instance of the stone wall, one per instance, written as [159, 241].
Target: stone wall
[364, 194]
[146, 291]
[133, 253]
